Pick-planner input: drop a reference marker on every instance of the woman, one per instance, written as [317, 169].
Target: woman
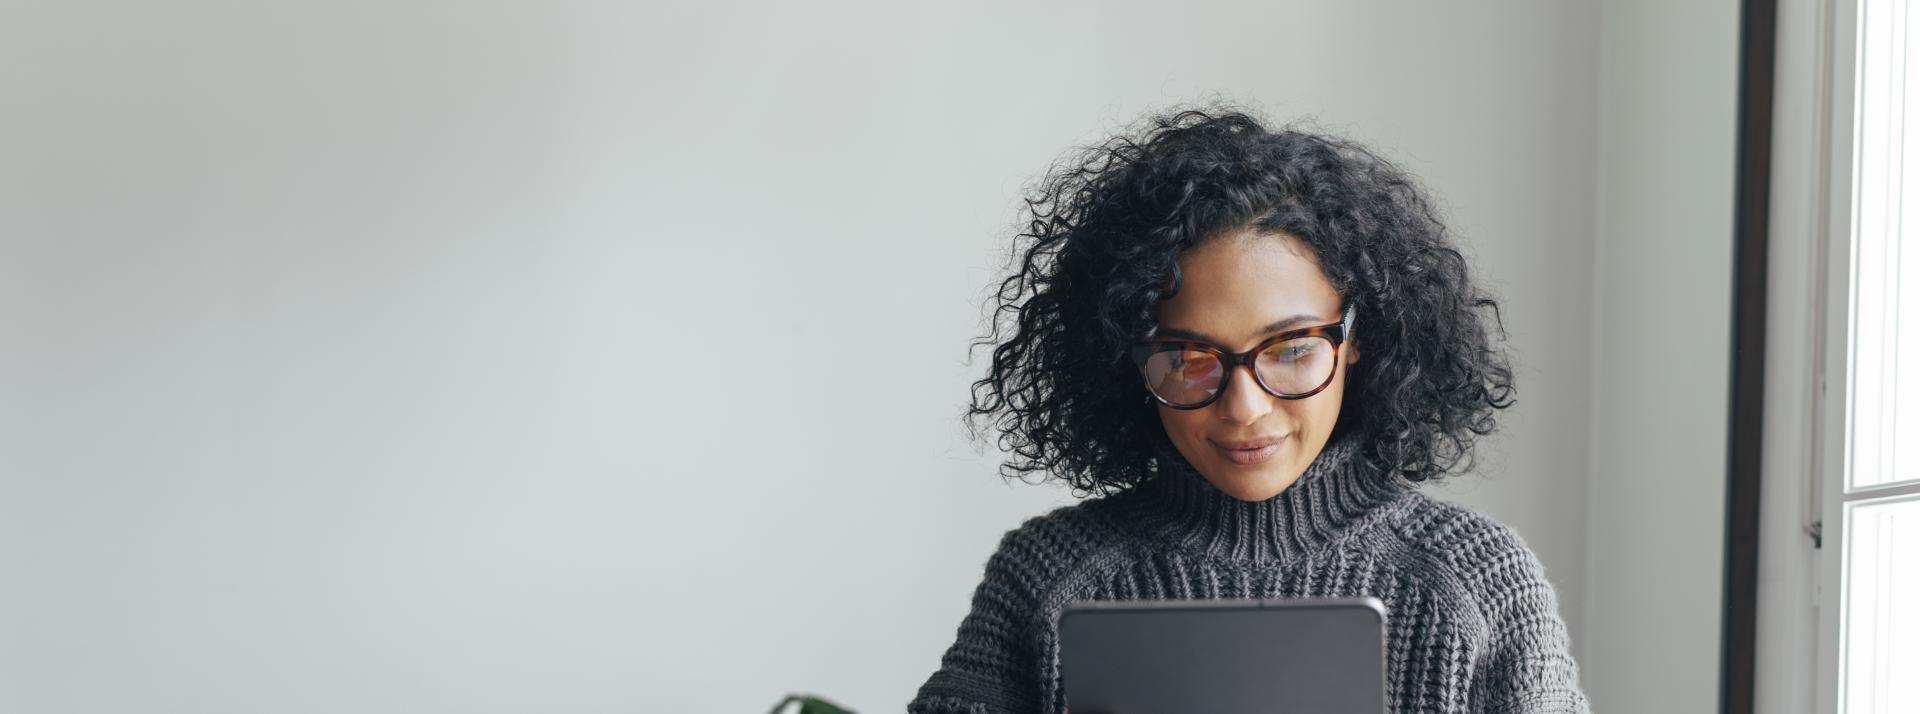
[1250, 346]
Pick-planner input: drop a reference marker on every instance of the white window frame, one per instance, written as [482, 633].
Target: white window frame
[1834, 298]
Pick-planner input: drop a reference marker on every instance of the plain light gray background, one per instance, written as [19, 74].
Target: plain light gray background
[431, 356]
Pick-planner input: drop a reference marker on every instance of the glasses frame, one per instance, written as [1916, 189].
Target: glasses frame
[1335, 332]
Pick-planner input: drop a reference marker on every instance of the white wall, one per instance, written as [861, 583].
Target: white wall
[440, 356]
[1662, 311]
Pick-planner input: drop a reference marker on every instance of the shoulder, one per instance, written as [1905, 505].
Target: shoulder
[1046, 550]
[1457, 533]
[1062, 532]
[1489, 559]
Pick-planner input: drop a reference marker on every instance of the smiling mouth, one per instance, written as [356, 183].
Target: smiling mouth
[1250, 444]
[1266, 448]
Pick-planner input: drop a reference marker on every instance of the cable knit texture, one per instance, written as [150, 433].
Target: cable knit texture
[1472, 623]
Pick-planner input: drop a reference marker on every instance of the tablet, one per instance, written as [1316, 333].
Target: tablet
[1229, 656]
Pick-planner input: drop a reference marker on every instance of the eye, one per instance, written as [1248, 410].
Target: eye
[1192, 358]
[1294, 350]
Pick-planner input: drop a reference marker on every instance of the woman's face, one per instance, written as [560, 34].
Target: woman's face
[1234, 292]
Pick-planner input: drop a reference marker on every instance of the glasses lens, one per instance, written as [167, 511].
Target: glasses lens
[1182, 376]
[1296, 366]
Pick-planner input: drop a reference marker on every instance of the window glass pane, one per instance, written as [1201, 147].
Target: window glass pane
[1886, 348]
[1882, 673]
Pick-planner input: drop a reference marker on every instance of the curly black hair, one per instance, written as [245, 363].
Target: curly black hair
[1104, 230]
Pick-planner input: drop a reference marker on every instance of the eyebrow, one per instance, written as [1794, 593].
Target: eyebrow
[1271, 328]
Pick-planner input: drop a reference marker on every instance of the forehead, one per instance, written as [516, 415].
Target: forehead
[1233, 288]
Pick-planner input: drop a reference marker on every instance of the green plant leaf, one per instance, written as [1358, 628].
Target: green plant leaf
[811, 705]
[817, 705]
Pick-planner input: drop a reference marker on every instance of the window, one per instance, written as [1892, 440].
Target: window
[1868, 474]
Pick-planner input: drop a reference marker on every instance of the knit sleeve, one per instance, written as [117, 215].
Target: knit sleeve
[1529, 666]
[991, 666]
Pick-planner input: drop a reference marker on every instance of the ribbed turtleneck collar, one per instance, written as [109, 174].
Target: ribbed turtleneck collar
[1180, 507]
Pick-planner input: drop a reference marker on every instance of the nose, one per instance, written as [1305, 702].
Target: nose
[1245, 402]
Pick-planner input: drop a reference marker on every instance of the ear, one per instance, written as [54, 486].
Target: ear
[1353, 352]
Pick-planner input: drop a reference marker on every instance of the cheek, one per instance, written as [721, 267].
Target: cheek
[1181, 420]
[1336, 394]
[1187, 429]
[1320, 410]
[1332, 408]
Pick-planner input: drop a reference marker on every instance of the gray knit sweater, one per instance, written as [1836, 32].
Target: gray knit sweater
[1472, 623]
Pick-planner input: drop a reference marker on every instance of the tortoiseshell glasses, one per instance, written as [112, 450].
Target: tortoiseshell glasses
[1296, 364]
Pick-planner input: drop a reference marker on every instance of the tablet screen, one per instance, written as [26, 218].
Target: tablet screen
[1234, 656]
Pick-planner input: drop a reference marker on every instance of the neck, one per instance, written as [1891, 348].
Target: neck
[1335, 494]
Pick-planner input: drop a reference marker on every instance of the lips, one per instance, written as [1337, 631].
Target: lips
[1251, 443]
[1249, 457]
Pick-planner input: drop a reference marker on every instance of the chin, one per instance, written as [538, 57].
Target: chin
[1254, 486]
